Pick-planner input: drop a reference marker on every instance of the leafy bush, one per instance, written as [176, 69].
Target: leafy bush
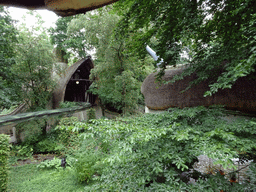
[55, 163]
[86, 152]
[69, 104]
[71, 124]
[49, 164]
[4, 153]
[90, 156]
[6, 111]
[68, 130]
[87, 165]
[46, 146]
[154, 151]
[31, 131]
[91, 114]
[21, 151]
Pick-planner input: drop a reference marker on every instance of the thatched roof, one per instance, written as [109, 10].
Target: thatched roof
[59, 92]
[242, 96]
[60, 7]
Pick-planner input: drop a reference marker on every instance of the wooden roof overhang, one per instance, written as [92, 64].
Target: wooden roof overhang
[60, 7]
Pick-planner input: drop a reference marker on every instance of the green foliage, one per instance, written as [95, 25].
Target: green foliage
[91, 114]
[71, 124]
[89, 156]
[34, 135]
[33, 67]
[22, 151]
[4, 154]
[87, 166]
[30, 131]
[6, 111]
[218, 36]
[55, 163]
[69, 104]
[117, 75]
[58, 36]
[47, 145]
[150, 153]
[68, 129]
[30, 178]
[86, 154]
[9, 84]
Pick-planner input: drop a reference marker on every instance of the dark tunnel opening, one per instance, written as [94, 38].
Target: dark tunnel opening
[79, 84]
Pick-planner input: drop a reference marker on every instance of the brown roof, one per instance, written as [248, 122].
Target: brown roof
[60, 7]
[242, 96]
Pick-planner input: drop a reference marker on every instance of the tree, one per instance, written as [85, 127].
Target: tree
[117, 75]
[8, 81]
[219, 33]
[33, 67]
[58, 37]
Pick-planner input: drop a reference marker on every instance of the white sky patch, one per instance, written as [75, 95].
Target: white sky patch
[47, 16]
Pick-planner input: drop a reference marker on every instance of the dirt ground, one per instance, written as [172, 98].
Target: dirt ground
[35, 159]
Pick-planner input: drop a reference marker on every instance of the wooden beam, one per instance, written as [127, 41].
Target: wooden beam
[81, 80]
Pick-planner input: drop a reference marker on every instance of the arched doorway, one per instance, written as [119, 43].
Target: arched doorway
[78, 86]
[74, 85]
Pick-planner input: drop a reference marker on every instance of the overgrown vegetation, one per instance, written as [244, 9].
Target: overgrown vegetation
[26, 66]
[31, 178]
[152, 152]
[156, 152]
[91, 114]
[8, 81]
[117, 76]
[217, 36]
[4, 168]
[34, 65]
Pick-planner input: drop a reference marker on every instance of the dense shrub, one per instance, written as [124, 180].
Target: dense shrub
[31, 131]
[68, 130]
[4, 153]
[152, 152]
[88, 153]
[69, 104]
[55, 163]
[21, 151]
[87, 165]
[47, 145]
[91, 114]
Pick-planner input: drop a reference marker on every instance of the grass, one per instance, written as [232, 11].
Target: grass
[28, 178]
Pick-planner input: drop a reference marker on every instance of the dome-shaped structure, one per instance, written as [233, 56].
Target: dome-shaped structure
[73, 85]
[241, 97]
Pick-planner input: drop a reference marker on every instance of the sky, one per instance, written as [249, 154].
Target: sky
[48, 16]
